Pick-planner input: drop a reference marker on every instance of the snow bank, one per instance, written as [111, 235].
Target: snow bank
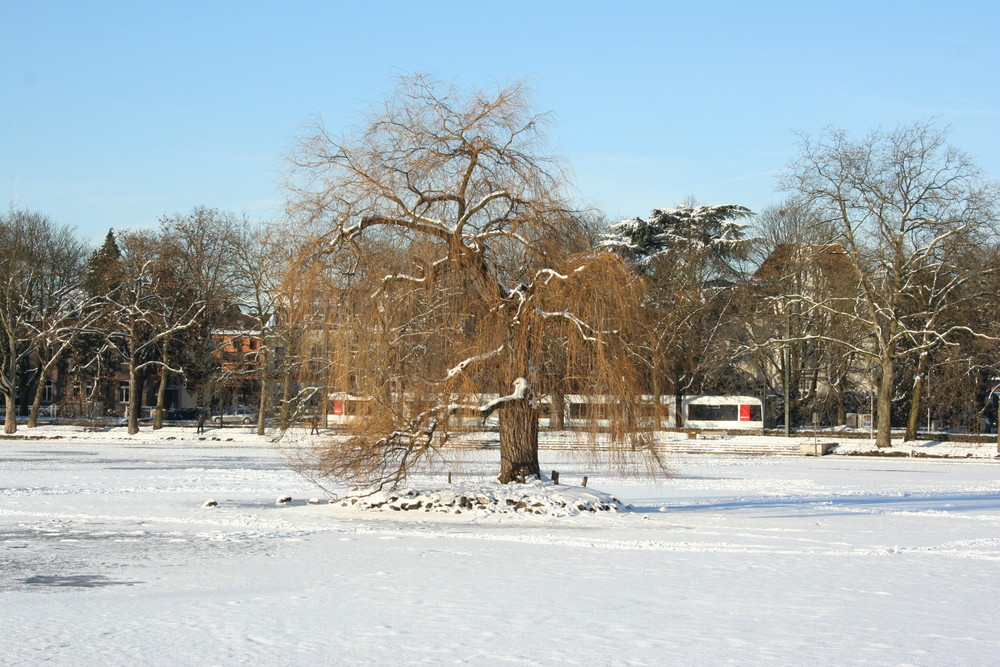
[228, 436]
[542, 498]
[919, 449]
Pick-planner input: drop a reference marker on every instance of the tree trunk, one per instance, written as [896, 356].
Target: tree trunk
[10, 417]
[679, 410]
[518, 441]
[841, 410]
[134, 400]
[43, 374]
[786, 389]
[883, 407]
[286, 401]
[9, 371]
[36, 402]
[262, 404]
[657, 401]
[918, 384]
[814, 383]
[558, 414]
[519, 417]
[22, 375]
[161, 393]
[324, 407]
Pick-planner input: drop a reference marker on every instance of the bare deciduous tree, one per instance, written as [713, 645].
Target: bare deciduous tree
[60, 309]
[898, 202]
[259, 262]
[145, 310]
[204, 243]
[450, 238]
[789, 343]
[39, 275]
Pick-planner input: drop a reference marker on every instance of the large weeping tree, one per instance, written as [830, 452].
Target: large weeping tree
[455, 262]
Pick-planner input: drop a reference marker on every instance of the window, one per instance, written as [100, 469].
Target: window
[123, 392]
[713, 413]
[47, 392]
[588, 411]
[749, 413]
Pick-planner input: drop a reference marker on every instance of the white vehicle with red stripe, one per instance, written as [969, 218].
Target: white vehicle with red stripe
[579, 411]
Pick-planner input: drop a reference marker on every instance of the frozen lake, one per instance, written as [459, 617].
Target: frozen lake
[108, 556]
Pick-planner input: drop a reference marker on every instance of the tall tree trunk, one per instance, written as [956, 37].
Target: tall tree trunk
[36, 402]
[918, 384]
[10, 416]
[22, 375]
[161, 391]
[813, 383]
[786, 389]
[9, 371]
[679, 410]
[519, 417]
[286, 401]
[837, 387]
[519, 441]
[557, 420]
[657, 401]
[324, 407]
[134, 399]
[883, 407]
[265, 388]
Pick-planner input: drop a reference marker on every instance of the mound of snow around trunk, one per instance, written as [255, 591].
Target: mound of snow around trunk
[534, 497]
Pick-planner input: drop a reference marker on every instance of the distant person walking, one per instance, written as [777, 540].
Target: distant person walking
[201, 422]
[314, 424]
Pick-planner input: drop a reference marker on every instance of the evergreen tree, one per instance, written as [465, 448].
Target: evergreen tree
[104, 266]
[690, 256]
[102, 277]
[709, 237]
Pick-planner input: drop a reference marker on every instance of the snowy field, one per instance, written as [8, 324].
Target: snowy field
[107, 556]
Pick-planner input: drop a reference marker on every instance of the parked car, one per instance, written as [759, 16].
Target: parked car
[182, 414]
[240, 415]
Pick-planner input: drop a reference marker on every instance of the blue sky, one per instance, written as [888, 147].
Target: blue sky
[113, 114]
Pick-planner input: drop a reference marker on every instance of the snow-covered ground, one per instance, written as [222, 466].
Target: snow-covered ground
[108, 556]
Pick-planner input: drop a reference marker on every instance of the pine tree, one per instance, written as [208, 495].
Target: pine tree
[102, 277]
[104, 266]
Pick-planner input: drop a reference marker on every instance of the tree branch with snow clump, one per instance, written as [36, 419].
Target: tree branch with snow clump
[713, 233]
